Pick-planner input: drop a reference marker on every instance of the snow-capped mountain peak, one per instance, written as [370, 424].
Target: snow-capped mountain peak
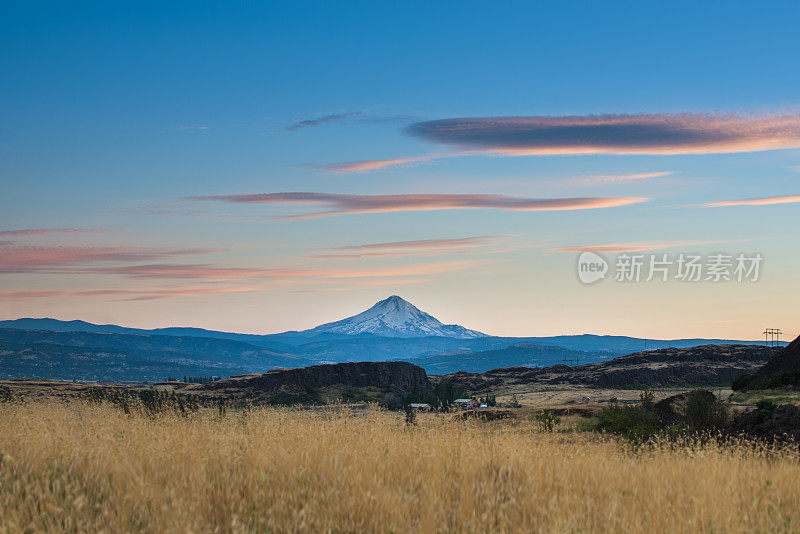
[396, 317]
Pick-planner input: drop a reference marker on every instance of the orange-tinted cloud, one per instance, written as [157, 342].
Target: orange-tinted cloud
[763, 201]
[655, 134]
[373, 164]
[343, 204]
[628, 247]
[610, 178]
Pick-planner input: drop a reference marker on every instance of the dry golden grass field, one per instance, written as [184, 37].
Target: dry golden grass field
[73, 466]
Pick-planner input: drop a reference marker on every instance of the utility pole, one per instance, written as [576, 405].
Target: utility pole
[772, 337]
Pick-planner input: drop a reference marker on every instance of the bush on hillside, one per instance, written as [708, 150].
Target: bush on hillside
[743, 383]
[631, 422]
[776, 381]
[701, 410]
[704, 411]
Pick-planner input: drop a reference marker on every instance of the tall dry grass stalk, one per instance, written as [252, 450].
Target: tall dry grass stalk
[79, 467]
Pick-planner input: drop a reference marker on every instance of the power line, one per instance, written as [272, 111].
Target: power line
[772, 337]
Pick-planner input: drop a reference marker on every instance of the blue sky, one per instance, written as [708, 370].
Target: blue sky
[116, 118]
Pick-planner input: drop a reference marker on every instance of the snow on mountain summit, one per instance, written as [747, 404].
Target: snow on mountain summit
[395, 317]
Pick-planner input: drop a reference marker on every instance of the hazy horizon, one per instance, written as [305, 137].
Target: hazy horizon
[350, 314]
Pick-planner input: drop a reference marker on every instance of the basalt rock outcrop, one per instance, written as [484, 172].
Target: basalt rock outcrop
[320, 384]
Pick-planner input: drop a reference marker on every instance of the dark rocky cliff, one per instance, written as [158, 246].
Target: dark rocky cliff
[787, 360]
[318, 383]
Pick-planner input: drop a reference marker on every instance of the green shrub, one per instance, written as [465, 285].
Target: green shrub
[445, 390]
[764, 409]
[704, 411]
[648, 398]
[630, 422]
[778, 380]
[781, 380]
[743, 383]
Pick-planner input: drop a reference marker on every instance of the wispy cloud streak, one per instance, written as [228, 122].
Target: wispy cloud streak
[613, 248]
[43, 231]
[27, 259]
[656, 134]
[763, 201]
[193, 271]
[125, 294]
[322, 120]
[612, 178]
[212, 272]
[375, 164]
[424, 247]
[342, 204]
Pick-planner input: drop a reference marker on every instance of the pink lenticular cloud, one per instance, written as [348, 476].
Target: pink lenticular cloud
[764, 201]
[343, 204]
[655, 134]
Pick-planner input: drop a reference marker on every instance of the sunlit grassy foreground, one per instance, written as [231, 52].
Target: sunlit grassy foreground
[80, 467]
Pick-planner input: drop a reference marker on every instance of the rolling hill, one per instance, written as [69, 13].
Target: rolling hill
[697, 366]
[99, 356]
